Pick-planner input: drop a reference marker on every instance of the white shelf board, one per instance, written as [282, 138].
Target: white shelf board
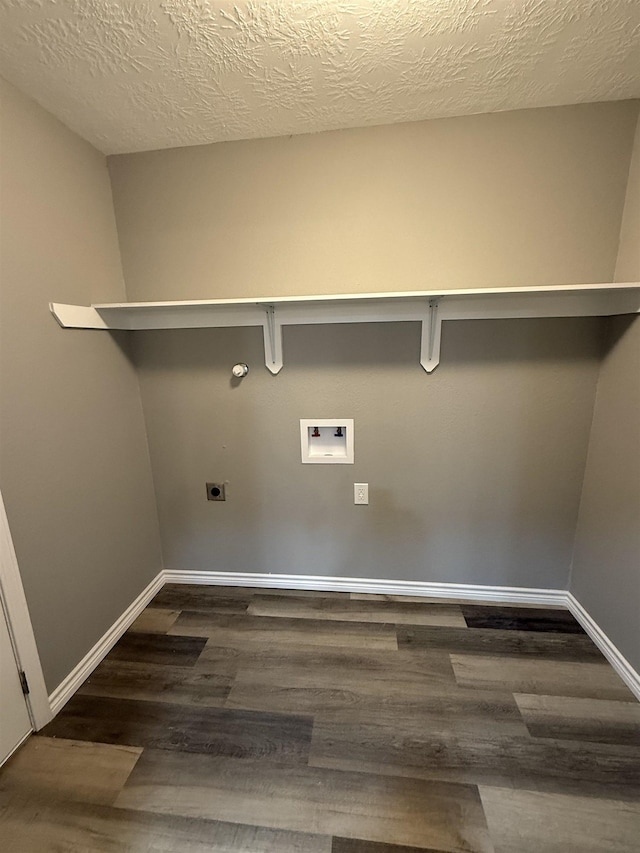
[377, 297]
[427, 307]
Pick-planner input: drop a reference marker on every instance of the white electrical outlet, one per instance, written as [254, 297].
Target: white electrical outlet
[361, 493]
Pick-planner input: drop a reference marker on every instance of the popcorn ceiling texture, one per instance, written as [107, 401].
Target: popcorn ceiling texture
[145, 74]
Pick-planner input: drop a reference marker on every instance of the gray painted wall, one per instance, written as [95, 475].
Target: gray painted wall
[605, 575]
[475, 471]
[74, 462]
[518, 198]
[628, 260]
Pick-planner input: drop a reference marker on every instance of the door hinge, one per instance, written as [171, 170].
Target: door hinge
[24, 682]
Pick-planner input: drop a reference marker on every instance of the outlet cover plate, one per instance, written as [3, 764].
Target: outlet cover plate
[361, 494]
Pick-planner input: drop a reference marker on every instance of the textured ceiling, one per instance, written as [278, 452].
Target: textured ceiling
[145, 74]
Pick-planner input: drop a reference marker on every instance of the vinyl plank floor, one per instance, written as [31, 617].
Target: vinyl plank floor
[547, 677]
[212, 599]
[435, 703]
[408, 748]
[357, 845]
[493, 641]
[299, 593]
[334, 723]
[404, 599]
[270, 658]
[327, 666]
[521, 619]
[283, 633]
[253, 690]
[534, 822]
[158, 649]
[327, 679]
[354, 805]
[323, 658]
[157, 683]
[423, 599]
[350, 610]
[448, 714]
[154, 620]
[75, 770]
[247, 592]
[185, 728]
[566, 717]
[28, 825]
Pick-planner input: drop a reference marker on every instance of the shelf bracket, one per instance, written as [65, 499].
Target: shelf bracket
[430, 341]
[272, 331]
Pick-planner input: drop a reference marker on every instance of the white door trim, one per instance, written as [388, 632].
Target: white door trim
[20, 628]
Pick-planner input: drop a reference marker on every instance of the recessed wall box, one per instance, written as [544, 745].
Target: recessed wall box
[216, 492]
[327, 441]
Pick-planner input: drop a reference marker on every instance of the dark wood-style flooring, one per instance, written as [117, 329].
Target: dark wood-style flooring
[230, 719]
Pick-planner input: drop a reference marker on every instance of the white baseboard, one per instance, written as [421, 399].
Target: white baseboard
[615, 657]
[476, 592]
[471, 592]
[65, 690]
